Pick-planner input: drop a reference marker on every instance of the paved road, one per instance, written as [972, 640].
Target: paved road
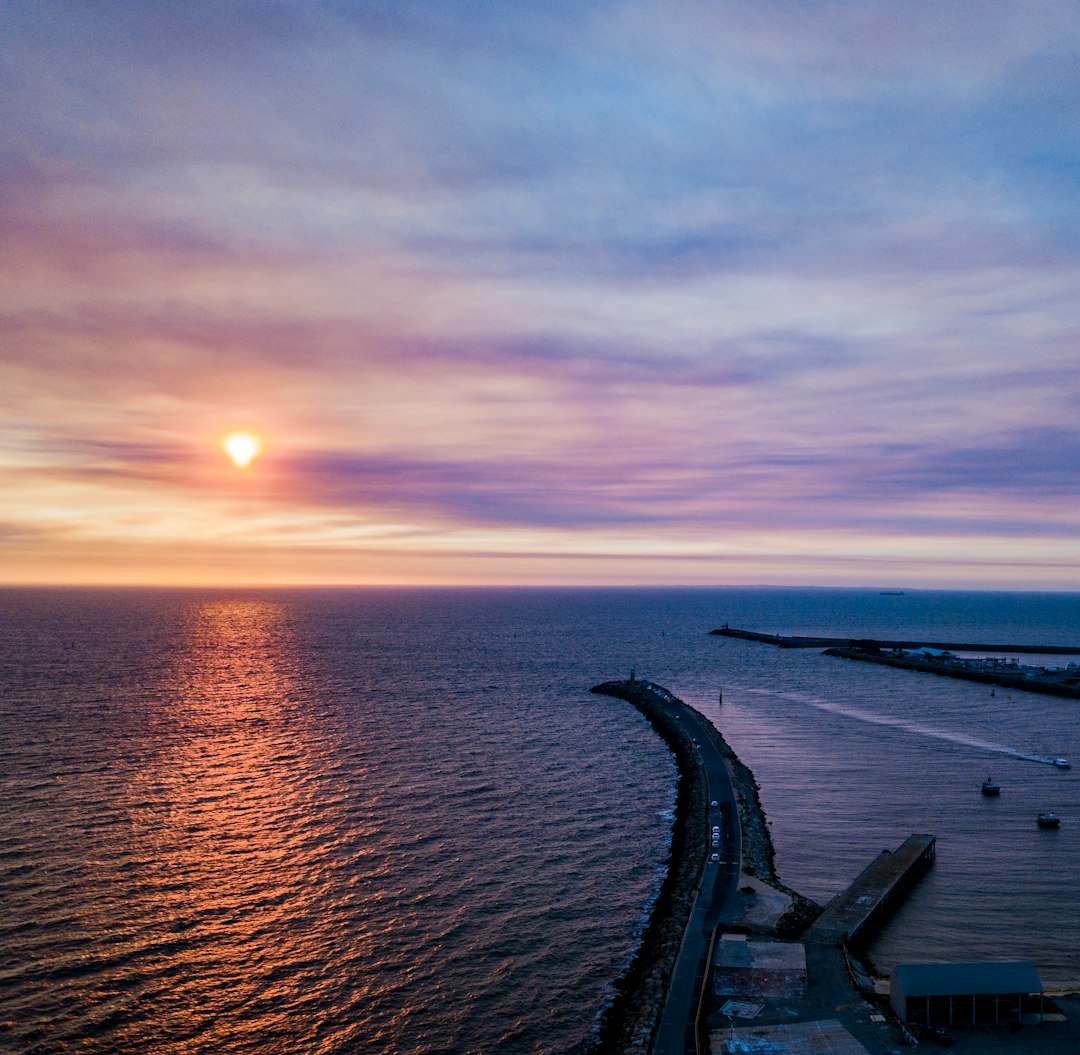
[719, 883]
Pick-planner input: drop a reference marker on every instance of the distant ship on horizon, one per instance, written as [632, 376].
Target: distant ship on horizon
[891, 593]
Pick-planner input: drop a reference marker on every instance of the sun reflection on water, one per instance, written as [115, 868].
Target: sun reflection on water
[234, 859]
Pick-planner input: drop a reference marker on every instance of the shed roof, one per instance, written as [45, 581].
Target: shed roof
[967, 979]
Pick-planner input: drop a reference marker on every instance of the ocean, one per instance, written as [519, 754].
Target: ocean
[375, 820]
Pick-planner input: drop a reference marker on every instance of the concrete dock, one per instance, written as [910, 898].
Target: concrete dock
[852, 917]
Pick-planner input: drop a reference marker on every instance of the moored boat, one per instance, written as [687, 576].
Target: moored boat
[990, 788]
[1049, 820]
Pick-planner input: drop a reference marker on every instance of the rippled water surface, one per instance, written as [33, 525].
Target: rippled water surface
[396, 821]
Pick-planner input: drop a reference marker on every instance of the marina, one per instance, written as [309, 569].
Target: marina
[735, 984]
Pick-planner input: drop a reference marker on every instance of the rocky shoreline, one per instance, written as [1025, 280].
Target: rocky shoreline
[631, 1020]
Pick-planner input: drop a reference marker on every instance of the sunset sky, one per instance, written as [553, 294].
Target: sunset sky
[571, 292]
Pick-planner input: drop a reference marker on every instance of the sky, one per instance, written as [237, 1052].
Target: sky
[549, 293]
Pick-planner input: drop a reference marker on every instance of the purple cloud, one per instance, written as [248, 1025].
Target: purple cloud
[599, 272]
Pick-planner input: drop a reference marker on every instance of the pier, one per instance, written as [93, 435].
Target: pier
[854, 916]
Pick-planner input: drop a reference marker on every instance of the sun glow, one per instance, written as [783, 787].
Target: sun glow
[242, 448]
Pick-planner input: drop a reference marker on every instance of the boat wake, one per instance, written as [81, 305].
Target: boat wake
[950, 735]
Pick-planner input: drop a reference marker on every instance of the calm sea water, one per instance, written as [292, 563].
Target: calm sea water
[396, 820]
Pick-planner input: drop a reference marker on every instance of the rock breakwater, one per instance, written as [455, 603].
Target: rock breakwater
[631, 1020]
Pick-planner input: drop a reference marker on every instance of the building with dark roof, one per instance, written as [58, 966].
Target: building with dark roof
[946, 994]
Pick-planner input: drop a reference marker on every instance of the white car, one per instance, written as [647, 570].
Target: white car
[715, 857]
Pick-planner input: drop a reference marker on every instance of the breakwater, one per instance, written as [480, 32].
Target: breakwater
[783, 641]
[631, 1022]
[1050, 684]
[632, 1018]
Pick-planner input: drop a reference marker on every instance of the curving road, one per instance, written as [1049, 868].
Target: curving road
[719, 883]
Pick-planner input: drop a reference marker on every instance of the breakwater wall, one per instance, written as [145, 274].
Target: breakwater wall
[863, 642]
[1046, 685]
[631, 1020]
[630, 1023]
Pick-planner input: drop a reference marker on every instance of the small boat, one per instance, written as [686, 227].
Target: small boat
[990, 788]
[1062, 763]
[1049, 820]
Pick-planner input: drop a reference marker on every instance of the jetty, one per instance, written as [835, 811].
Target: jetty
[855, 915]
[1051, 681]
[657, 1007]
[939, 657]
[782, 641]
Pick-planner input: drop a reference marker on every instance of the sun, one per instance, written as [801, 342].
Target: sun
[242, 448]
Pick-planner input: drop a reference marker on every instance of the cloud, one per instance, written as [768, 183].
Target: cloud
[1029, 465]
[611, 275]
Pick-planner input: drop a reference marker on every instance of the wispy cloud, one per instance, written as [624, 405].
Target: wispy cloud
[689, 284]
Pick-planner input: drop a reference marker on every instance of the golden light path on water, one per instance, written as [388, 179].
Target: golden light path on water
[223, 813]
[285, 833]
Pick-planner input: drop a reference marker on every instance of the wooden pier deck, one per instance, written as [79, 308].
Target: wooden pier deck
[852, 917]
